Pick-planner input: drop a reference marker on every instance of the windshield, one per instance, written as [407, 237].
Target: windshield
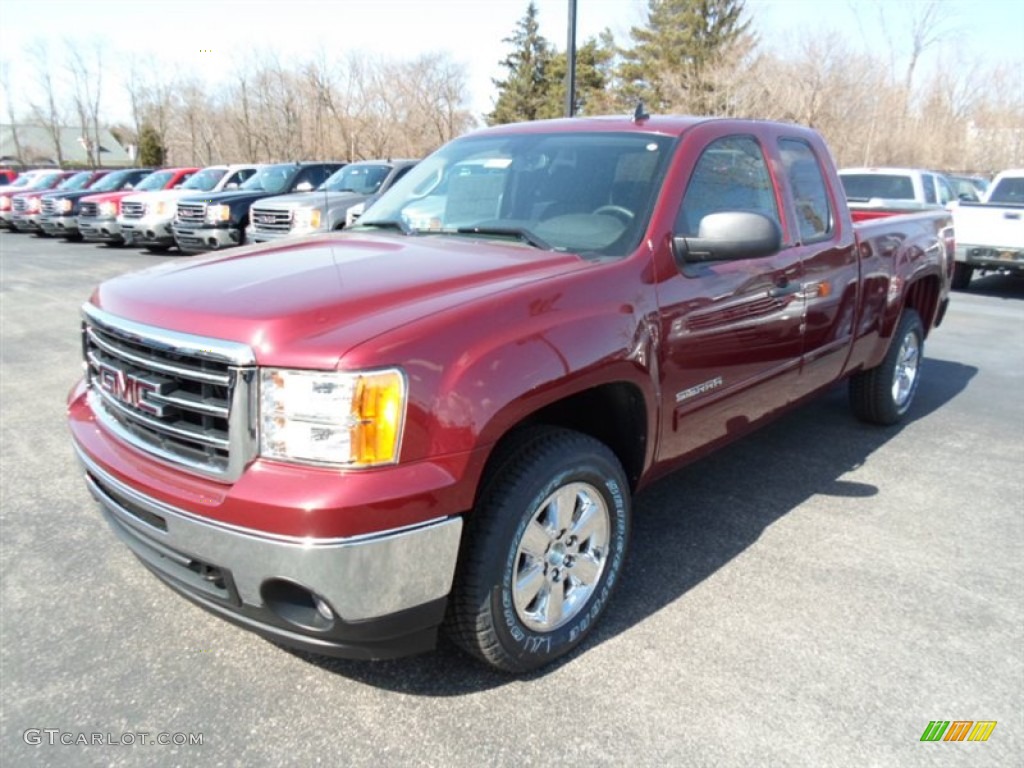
[588, 193]
[112, 181]
[44, 181]
[78, 181]
[1008, 191]
[205, 180]
[364, 179]
[157, 180]
[274, 179]
[864, 186]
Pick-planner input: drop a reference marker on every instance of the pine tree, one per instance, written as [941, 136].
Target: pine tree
[151, 150]
[525, 93]
[594, 64]
[676, 57]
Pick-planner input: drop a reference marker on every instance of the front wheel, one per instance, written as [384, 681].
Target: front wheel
[542, 550]
[883, 394]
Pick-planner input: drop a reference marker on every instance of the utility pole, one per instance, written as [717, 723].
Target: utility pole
[570, 63]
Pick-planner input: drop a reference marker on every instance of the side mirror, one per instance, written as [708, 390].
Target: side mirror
[231, 185]
[304, 187]
[729, 235]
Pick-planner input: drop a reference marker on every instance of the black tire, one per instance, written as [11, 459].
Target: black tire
[883, 395]
[962, 274]
[515, 519]
[157, 248]
[75, 238]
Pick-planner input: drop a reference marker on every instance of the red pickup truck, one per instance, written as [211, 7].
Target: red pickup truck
[439, 418]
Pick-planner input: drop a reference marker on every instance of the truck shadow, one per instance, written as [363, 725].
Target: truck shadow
[704, 515]
[998, 286]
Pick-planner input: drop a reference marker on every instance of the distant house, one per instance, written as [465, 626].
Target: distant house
[37, 147]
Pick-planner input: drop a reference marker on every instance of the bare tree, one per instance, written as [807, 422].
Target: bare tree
[47, 112]
[86, 70]
[5, 85]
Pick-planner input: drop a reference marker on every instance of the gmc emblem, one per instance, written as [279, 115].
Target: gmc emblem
[131, 389]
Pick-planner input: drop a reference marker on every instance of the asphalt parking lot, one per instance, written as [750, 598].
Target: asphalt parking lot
[814, 595]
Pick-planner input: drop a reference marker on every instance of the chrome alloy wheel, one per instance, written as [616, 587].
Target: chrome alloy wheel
[907, 366]
[561, 556]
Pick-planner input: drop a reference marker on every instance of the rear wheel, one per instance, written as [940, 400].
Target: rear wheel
[962, 274]
[542, 550]
[883, 394]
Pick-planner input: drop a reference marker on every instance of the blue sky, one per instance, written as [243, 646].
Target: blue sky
[208, 37]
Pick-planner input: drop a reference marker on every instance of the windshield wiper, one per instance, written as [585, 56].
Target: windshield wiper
[519, 233]
[398, 224]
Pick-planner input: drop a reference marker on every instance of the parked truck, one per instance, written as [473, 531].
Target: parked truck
[146, 218]
[59, 213]
[325, 208]
[26, 208]
[98, 214]
[990, 234]
[221, 219]
[439, 418]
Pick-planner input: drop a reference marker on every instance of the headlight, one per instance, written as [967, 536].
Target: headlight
[35, 204]
[327, 417]
[66, 206]
[307, 218]
[5, 202]
[215, 213]
[160, 208]
[108, 209]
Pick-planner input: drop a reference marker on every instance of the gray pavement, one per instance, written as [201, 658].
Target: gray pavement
[811, 596]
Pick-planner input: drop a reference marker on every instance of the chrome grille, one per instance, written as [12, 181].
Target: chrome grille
[133, 210]
[191, 213]
[19, 205]
[270, 220]
[187, 400]
[89, 210]
[51, 205]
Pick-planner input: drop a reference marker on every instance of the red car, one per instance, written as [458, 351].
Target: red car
[97, 216]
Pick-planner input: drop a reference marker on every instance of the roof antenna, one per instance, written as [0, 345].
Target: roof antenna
[640, 113]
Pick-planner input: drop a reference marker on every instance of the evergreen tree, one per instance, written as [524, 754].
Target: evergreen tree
[151, 150]
[525, 93]
[676, 57]
[594, 76]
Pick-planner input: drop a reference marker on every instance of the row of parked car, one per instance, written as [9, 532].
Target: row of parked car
[195, 209]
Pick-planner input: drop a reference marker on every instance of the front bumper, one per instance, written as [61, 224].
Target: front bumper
[59, 226]
[5, 219]
[25, 222]
[373, 596]
[198, 239]
[149, 230]
[104, 230]
[986, 257]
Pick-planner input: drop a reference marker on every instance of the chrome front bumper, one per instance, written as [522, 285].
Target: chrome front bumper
[374, 596]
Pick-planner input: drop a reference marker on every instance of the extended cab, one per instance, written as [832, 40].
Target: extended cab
[59, 213]
[990, 234]
[219, 220]
[98, 215]
[327, 207]
[146, 218]
[441, 416]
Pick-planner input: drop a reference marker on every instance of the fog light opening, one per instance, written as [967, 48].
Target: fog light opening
[297, 605]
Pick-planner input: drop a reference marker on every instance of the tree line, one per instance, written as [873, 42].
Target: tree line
[704, 57]
[880, 107]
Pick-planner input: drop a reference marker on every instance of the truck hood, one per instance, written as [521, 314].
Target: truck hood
[107, 197]
[158, 195]
[315, 199]
[227, 197]
[306, 303]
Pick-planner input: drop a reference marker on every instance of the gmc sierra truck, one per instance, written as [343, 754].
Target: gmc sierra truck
[439, 418]
[220, 219]
[325, 208]
[990, 234]
[98, 214]
[146, 219]
[59, 214]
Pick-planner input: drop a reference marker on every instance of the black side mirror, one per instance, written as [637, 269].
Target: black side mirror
[729, 235]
